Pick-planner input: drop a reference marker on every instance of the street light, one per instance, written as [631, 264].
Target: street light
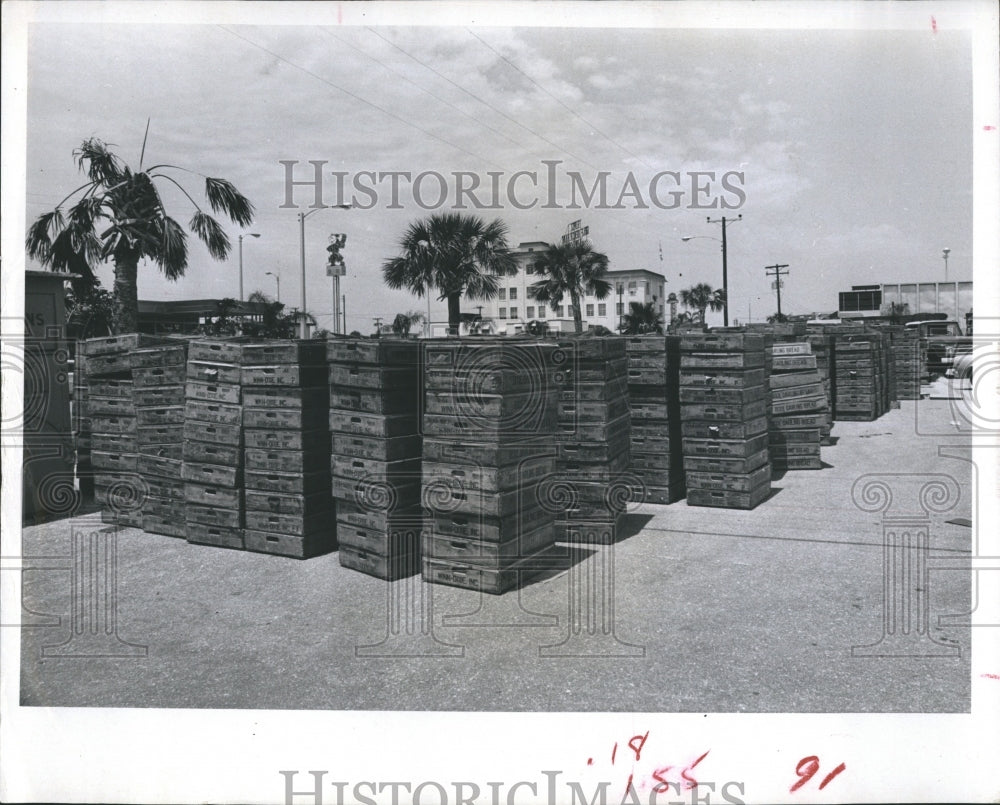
[277, 280]
[944, 253]
[251, 235]
[303, 326]
[725, 268]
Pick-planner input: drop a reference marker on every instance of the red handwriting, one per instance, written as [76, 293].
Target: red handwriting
[990, 676]
[933, 25]
[673, 775]
[807, 768]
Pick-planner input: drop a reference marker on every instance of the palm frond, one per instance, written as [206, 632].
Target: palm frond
[224, 197]
[173, 249]
[599, 288]
[38, 242]
[211, 234]
[100, 164]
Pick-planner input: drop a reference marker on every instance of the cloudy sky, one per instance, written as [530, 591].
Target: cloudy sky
[855, 145]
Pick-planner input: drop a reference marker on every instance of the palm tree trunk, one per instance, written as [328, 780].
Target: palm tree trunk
[126, 312]
[577, 315]
[454, 312]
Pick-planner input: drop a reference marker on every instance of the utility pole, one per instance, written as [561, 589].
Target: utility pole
[725, 266]
[778, 274]
[378, 325]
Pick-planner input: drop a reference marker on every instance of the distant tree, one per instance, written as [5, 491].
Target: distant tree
[685, 321]
[457, 254]
[777, 318]
[89, 310]
[120, 216]
[274, 323]
[642, 318]
[570, 268]
[404, 322]
[356, 334]
[600, 330]
[226, 320]
[537, 328]
[896, 311]
[702, 297]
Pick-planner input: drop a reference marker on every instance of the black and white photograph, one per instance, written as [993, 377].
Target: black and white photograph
[433, 402]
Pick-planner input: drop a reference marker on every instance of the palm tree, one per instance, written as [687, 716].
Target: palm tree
[404, 322]
[120, 215]
[457, 254]
[573, 268]
[701, 297]
[642, 318]
[777, 318]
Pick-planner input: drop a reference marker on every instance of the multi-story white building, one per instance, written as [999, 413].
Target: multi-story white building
[514, 308]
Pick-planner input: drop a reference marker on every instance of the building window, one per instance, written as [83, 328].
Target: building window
[513, 312]
[602, 309]
[513, 294]
[620, 309]
[559, 311]
[590, 310]
[621, 289]
[645, 287]
[503, 313]
[541, 311]
[632, 286]
[503, 295]
[530, 312]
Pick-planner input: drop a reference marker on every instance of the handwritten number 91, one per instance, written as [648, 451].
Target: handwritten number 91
[808, 767]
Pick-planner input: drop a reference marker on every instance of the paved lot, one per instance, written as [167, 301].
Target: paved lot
[713, 610]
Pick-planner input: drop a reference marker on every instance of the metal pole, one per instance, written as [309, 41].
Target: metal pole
[277, 279]
[241, 267]
[428, 312]
[343, 310]
[725, 278]
[336, 303]
[303, 327]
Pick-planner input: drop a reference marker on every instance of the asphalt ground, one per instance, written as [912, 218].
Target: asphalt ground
[693, 609]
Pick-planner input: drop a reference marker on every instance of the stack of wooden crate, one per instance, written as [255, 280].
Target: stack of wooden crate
[798, 407]
[110, 416]
[288, 507]
[213, 444]
[158, 376]
[724, 419]
[654, 401]
[593, 445]
[822, 348]
[491, 414]
[375, 466]
[905, 347]
[859, 363]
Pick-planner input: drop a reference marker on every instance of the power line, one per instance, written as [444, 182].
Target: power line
[484, 103]
[357, 97]
[559, 101]
[408, 80]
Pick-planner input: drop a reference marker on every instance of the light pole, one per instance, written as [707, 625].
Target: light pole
[277, 280]
[944, 254]
[304, 327]
[725, 265]
[240, 239]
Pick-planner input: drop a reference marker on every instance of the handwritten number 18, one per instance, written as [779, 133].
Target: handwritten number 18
[808, 767]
